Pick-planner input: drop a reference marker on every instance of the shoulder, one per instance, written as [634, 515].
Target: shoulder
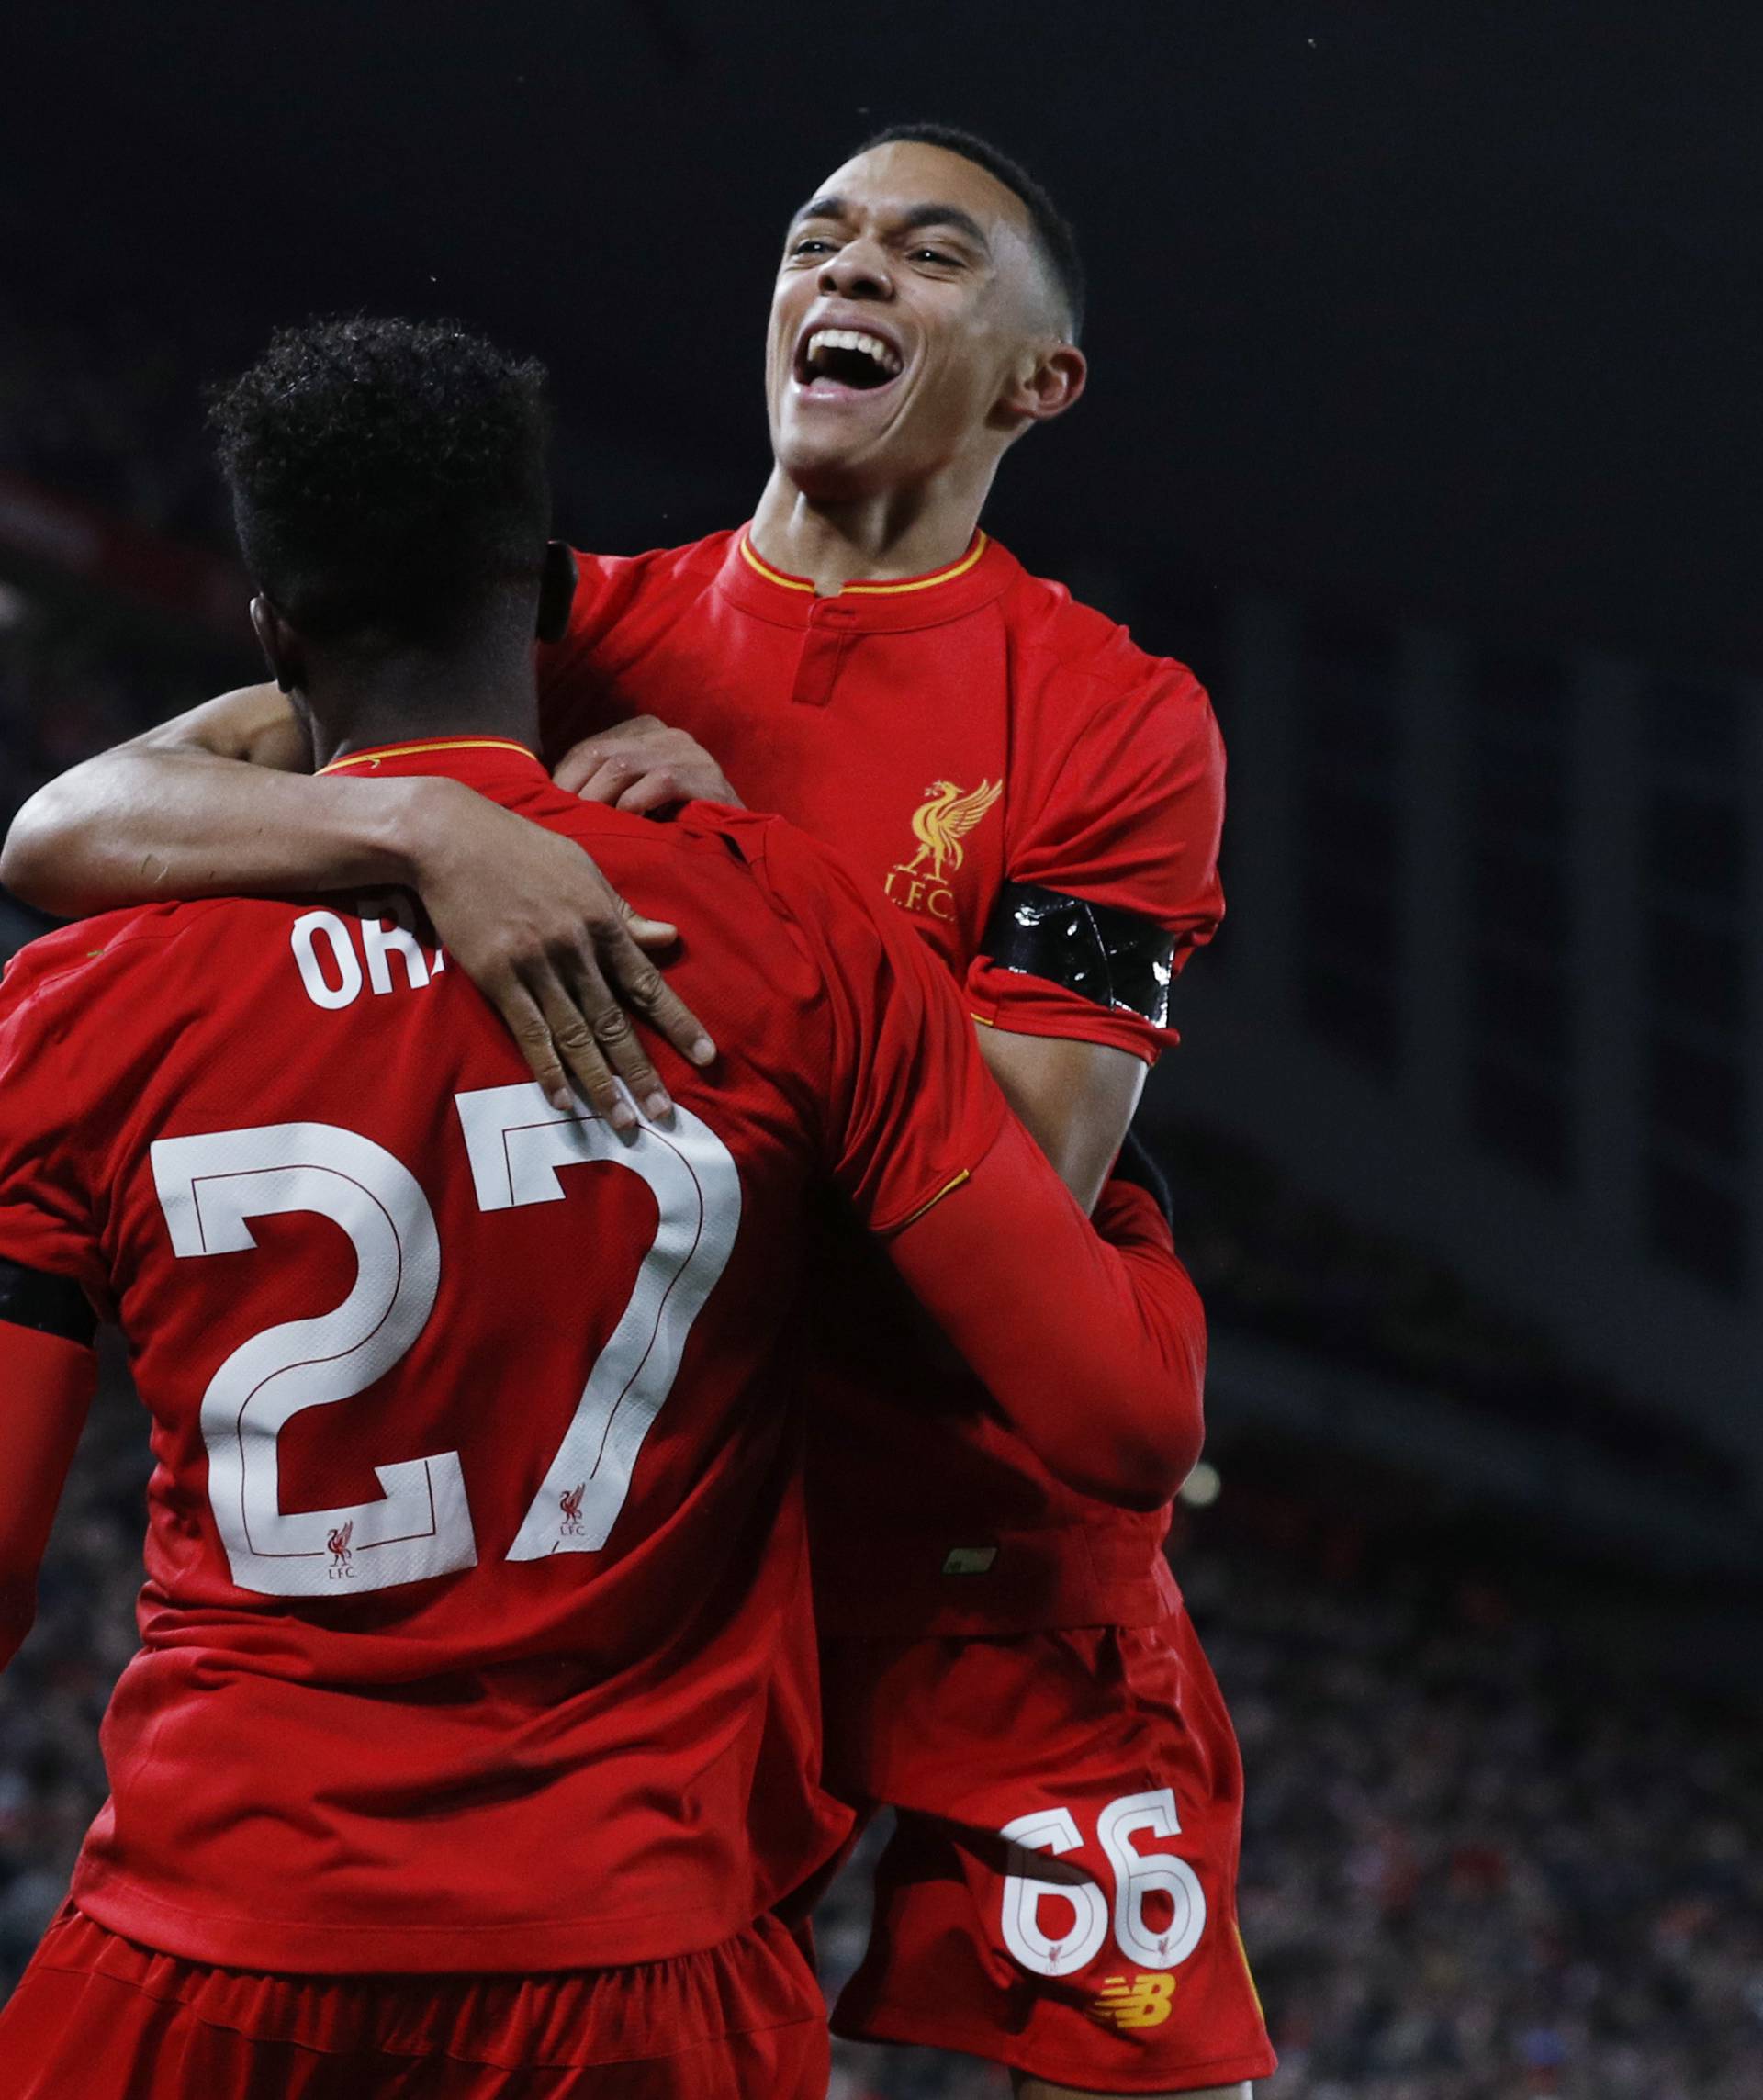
[1099, 715]
[86, 1012]
[75, 959]
[831, 908]
[610, 587]
[1074, 662]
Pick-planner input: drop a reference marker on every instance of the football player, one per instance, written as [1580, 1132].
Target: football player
[1008, 1665]
[472, 1742]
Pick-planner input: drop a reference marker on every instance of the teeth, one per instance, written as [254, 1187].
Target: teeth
[825, 339]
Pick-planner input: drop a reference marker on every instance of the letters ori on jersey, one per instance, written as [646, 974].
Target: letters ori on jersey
[333, 973]
[211, 1186]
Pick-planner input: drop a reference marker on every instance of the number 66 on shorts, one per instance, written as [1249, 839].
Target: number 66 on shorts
[1145, 1884]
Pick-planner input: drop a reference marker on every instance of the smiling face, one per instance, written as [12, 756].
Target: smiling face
[914, 324]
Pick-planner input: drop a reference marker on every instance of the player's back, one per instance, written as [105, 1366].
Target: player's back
[476, 1622]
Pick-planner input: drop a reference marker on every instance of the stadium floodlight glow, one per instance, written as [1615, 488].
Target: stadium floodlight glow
[1203, 1487]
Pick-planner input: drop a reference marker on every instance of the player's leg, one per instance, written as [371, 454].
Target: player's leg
[1059, 1891]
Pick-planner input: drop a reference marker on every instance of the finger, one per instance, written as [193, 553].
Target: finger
[531, 1031]
[645, 931]
[616, 1034]
[578, 762]
[651, 791]
[578, 1045]
[642, 986]
[607, 781]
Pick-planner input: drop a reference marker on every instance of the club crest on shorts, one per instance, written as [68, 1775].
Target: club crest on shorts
[569, 1502]
[939, 823]
[343, 1554]
[1136, 2001]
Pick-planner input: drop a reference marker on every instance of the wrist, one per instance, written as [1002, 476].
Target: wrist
[407, 824]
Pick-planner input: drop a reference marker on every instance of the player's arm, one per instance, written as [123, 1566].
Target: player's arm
[1076, 1099]
[221, 801]
[1089, 1336]
[46, 1384]
[1112, 882]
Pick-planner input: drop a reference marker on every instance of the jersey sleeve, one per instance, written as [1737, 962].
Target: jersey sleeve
[911, 1107]
[48, 1226]
[1111, 867]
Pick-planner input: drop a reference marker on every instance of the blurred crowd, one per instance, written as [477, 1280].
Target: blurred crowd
[100, 404]
[1478, 1864]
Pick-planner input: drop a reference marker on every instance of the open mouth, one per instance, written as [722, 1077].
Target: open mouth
[847, 358]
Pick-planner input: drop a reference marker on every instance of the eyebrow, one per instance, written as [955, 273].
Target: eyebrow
[949, 215]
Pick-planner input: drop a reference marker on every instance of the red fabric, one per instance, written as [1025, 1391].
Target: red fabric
[48, 1383]
[1122, 1323]
[594, 1754]
[96, 2017]
[967, 1736]
[854, 715]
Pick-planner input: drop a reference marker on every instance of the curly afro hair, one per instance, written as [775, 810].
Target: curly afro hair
[388, 477]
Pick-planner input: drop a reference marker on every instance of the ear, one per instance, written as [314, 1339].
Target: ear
[1049, 385]
[282, 647]
[556, 591]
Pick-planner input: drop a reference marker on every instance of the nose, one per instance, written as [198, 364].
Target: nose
[859, 271]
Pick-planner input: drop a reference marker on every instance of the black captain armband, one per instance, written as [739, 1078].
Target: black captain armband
[51, 1305]
[1114, 958]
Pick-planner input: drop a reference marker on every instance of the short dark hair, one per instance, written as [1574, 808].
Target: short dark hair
[387, 475]
[1052, 228]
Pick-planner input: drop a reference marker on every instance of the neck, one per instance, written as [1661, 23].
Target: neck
[354, 707]
[885, 536]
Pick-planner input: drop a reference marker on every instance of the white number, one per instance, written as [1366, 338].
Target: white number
[516, 1141]
[1136, 1876]
[209, 1188]
[1050, 1830]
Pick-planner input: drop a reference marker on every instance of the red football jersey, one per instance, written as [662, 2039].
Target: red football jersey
[476, 1631]
[949, 734]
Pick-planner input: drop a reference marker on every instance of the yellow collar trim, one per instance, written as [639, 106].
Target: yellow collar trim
[869, 589]
[381, 751]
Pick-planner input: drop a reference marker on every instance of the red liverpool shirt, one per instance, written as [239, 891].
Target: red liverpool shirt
[949, 734]
[475, 1633]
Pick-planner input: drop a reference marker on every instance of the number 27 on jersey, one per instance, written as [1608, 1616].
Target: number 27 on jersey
[213, 1186]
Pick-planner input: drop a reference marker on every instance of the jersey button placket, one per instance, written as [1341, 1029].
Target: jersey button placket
[829, 634]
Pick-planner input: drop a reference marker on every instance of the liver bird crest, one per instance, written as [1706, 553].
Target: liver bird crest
[944, 819]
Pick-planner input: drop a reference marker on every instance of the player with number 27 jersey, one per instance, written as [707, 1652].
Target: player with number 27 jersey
[475, 1633]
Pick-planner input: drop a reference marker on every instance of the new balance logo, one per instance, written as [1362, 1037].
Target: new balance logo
[1142, 2001]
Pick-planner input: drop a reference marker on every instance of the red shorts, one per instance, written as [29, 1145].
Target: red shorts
[98, 2018]
[1060, 1892]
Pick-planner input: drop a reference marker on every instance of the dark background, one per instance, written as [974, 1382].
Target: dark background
[1423, 421]
[1453, 306]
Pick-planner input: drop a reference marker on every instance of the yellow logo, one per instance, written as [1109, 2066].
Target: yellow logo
[939, 823]
[1143, 2003]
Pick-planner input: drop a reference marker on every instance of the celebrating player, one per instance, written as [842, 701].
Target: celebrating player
[1007, 1663]
[474, 1724]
